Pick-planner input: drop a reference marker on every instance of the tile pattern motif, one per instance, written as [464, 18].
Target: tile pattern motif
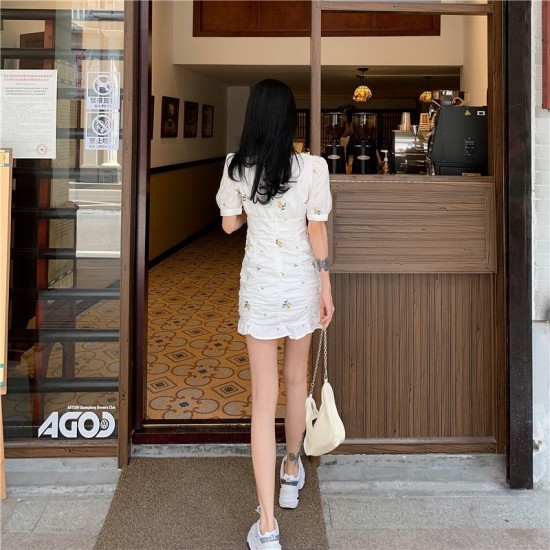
[197, 362]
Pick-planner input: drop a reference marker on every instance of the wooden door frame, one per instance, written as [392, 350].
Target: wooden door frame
[514, 166]
[135, 187]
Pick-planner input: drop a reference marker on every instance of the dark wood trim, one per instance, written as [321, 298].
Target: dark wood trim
[127, 250]
[199, 432]
[33, 448]
[496, 162]
[409, 7]
[172, 250]
[185, 165]
[143, 162]
[517, 35]
[335, 24]
[315, 85]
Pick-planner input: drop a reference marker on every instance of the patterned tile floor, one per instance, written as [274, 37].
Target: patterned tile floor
[197, 362]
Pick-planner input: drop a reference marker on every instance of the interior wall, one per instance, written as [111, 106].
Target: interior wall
[182, 201]
[237, 97]
[173, 81]
[474, 74]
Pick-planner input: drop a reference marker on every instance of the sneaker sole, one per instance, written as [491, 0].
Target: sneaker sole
[250, 542]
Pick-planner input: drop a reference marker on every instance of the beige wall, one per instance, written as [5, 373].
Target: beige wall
[474, 74]
[173, 81]
[368, 51]
[182, 202]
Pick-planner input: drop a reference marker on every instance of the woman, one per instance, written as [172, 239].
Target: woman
[285, 286]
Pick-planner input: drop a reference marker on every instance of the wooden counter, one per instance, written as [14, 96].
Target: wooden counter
[412, 344]
[412, 224]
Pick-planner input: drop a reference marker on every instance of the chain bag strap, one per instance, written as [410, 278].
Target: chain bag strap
[324, 427]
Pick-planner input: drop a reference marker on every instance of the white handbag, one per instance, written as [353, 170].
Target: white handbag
[324, 427]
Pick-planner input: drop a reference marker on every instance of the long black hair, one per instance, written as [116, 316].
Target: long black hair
[267, 140]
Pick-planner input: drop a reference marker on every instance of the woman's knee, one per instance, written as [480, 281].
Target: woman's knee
[296, 376]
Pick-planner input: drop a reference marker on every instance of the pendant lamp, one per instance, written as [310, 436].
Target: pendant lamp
[426, 95]
[362, 93]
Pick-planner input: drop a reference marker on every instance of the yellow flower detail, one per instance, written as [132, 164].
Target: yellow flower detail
[280, 204]
[316, 211]
[246, 305]
[279, 243]
[287, 305]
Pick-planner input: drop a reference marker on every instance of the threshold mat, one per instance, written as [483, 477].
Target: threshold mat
[203, 503]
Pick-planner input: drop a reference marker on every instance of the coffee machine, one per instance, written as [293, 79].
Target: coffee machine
[334, 126]
[458, 143]
[364, 147]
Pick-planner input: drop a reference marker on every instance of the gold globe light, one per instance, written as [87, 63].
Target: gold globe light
[426, 95]
[362, 93]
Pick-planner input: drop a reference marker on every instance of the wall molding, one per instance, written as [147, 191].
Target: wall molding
[185, 165]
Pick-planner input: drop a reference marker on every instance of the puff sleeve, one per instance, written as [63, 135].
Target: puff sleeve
[319, 202]
[229, 197]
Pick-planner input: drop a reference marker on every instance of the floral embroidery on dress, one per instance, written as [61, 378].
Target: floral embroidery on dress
[316, 211]
[279, 243]
[280, 204]
[287, 305]
[247, 305]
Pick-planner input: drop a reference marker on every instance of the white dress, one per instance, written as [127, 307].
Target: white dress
[280, 285]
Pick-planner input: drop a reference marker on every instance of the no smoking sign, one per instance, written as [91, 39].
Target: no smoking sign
[102, 128]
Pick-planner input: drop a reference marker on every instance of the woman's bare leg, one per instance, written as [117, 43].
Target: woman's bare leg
[265, 393]
[295, 373]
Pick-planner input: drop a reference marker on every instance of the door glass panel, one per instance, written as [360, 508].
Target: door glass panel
[63, 337]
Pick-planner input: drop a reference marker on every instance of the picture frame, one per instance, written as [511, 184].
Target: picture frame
[190, 119]
[207, 130]
[169, 119]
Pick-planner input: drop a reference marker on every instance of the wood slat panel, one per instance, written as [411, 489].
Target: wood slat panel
[420, 225]
[412, 355]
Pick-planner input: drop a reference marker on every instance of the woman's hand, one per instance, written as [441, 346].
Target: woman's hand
[327, 307]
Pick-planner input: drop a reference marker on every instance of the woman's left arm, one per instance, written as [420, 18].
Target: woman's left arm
[319, 244]
[230, 224]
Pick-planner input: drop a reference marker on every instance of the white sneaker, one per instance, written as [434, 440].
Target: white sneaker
[263, 541]
[291, 485]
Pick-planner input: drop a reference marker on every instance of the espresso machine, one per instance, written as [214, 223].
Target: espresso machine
[364, 148]
[458, 143]
[334, 126]
[409, 150]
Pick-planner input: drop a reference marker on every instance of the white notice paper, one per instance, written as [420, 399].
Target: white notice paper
[28, 103]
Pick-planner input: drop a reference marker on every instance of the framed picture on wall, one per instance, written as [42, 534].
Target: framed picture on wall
[190, 119]
[169, 117]
[207, 121]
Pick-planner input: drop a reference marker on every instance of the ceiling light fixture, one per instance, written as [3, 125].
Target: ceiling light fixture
[426, 95]
[362, 93]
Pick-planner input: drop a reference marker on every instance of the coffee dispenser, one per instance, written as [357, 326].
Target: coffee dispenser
[334, 126]
[364, 149]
